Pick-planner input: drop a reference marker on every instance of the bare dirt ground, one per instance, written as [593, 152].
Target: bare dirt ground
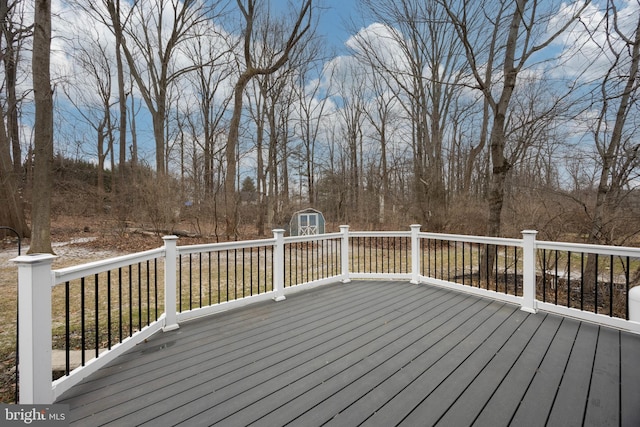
[75, 241]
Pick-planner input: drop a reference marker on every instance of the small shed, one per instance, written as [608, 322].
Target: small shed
[306, 222]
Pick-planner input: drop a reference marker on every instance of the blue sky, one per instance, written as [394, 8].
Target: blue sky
[333, 20]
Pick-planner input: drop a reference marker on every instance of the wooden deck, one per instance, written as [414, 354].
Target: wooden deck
[371, 353]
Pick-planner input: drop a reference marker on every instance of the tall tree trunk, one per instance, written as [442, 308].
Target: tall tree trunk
[12, 214]
[607, 187]
[260, 175]
[114, 12]
[43, 130]
[230, 193]
[500, 165]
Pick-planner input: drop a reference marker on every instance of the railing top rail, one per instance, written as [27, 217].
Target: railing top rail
[223, 246]
[379, 233]
[595, 249]
[77, 271]
[312, 237]
[472, 239]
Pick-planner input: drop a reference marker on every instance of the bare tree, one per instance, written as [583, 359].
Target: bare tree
[382, 116]
[12, 36]
[90, 91]
[208, 82]
[14, 33]
[311, 106]
[12, 214]
[151, 44]
[285, 38]
[350, 87]
[618, 150]
[114, 12]
[423, 68]
[43, 130]
[515, 33]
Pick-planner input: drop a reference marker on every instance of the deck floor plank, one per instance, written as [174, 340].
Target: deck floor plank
[377, 353]
[180, 386]
[242, 392]
[291, 399]
[185, 362]
[462, 362]
[603, 405]
[571, 398]
[630, 380]
[359, 399]
[506, 378]
[539, 396]
[338, 392]
[503, 340]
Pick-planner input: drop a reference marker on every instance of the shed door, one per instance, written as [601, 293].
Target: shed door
[308, 224]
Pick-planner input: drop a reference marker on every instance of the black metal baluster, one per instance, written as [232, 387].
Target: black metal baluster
[97, 313]
[582, 281]
[627, 280]
[515, 270]
[610, 285]
[544, 275]
[506, 270]
[130, 301]
[596, 286]
[339, 256]
[400, 258]
[209, 276]
[480, 266]
[306, 250]
[235, 274]
[555, 279]
[180, 282]
[463, 264]
[139, 296]
[148, 273]
[82, 319]
[569, 279]
[324, 265]
[67, 328]
[120, 304]
[200, 279]
[109, 309]
[289, 272]
[272, 267]
[371, 243]
[448, 260]
[190, 281]
[395, 244]
[218, 253]
[155, 287]
[251, 271]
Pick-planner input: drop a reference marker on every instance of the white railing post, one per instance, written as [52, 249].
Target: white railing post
[529, 271]
[170, 269]
[634, 304]
[344, 229]
[278, 265]
[415, 254]
[34, 317]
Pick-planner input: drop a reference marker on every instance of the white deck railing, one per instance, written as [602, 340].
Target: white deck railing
[290, 264]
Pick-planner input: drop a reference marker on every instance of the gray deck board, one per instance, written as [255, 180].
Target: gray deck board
[372, 353]
[506, 379]
[540, 393]
[630, 380]
[571, 397]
